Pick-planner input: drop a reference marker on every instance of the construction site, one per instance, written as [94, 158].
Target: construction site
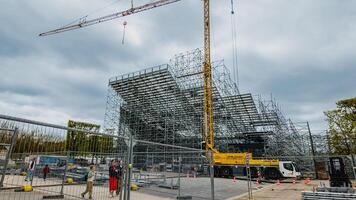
[165, 104]
[179, 130]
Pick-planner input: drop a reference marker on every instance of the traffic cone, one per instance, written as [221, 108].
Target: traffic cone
[293, 181]
[308, 181]
[257, 183]
[234, 179]
[278, 182]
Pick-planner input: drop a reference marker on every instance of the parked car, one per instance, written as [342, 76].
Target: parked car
[79, 174]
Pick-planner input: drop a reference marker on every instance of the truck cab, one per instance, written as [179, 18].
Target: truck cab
[285, 169]
[289, 169]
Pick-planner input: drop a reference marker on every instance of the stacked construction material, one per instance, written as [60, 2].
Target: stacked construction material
[330, 193]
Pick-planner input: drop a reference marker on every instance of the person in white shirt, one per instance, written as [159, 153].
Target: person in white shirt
[31, 169]
[90, 182]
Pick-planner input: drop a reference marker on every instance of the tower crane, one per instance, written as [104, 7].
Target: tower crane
[208, 134]
[212, 154]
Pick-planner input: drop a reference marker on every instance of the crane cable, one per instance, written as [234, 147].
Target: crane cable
[234, 45]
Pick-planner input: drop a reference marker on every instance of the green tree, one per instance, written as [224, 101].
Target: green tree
[82, 143]
[342, 127]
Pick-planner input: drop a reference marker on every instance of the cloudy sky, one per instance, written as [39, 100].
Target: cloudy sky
[301, 51]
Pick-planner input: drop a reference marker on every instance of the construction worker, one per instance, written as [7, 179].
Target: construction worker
[90, 182]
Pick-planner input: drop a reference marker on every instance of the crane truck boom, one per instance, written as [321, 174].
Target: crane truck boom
[242, 159]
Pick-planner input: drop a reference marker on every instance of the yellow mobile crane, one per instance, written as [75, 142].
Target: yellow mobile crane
[216, 157]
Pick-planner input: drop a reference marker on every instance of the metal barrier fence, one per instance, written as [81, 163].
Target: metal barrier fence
[42, 156]
[62, 157]
[35, 154]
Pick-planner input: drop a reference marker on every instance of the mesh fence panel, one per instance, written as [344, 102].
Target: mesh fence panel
[55, 160]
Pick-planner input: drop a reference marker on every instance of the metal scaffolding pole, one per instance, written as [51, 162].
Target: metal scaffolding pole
[313, 150]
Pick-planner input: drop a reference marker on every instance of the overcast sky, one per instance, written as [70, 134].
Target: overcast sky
[301, 51]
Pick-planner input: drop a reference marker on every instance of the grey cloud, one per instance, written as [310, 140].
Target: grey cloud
[301, 51]
[22, 89]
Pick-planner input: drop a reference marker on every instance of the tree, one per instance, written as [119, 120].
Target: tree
[34, 140]
[82, 143]
[342, 127]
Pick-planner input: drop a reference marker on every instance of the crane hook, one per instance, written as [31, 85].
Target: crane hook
[232, 7]
[123, 36]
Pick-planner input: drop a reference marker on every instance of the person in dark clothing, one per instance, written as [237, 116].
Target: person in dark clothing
[45, 171]
[112, 178]
[120, 176]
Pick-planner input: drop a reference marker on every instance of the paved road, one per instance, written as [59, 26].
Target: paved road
[199, 188]
[284, 191]
[99, 193]
[71, 191]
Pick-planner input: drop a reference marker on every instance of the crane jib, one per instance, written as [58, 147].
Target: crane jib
[84, 23]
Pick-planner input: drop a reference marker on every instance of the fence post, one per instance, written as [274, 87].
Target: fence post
[8, 156]
[211, 160]
[179, 168]
[126, 174]
[130, 168]
[248, 176]
[65, 173]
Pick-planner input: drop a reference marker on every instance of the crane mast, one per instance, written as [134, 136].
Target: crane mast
[208, 96]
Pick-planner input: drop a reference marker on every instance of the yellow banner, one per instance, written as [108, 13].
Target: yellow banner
[241, 159]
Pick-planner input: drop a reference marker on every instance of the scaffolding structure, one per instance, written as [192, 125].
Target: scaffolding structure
[165, 104]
